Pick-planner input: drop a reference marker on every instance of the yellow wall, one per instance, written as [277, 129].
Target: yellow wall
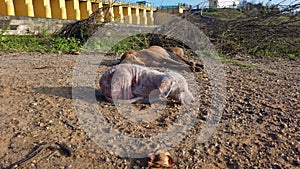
[39, 8]
[73, 11]
[96, 6]
[118, 14]
[42, 8]
[150, 18]
[76, 10]
[108, 12]
[135, 16]
[3, 8]
[20, 7]
[127, 15]
[85, 9]
[58, 9]
[143, 16]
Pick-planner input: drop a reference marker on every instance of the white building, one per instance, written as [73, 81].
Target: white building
[224, 3]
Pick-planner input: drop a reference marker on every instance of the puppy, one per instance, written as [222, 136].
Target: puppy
[129, 83]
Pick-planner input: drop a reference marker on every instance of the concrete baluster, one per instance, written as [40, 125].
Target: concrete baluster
[30, 9]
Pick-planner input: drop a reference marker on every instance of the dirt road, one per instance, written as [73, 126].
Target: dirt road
[259, 127]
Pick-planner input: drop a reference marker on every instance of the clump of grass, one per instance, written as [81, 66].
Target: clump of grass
[34, 43]
[142, 41]
[237, 62]
[262, 31]
[136, 42]
[245, 64]
[223, 14]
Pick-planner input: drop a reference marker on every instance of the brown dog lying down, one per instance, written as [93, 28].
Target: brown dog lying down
[129, 83]
[157, 56]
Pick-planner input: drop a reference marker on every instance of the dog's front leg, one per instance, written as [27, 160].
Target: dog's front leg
[121, 85]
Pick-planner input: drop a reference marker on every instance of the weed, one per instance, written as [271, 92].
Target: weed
[43, 44]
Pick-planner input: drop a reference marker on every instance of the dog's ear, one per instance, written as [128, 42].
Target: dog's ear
[127, 55]
[165, 87]
[131, 57]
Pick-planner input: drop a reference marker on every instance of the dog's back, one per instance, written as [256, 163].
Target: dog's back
[157, 56]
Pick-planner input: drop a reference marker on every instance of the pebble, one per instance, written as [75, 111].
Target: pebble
[33, 104]
[283, 125]
[12, 145]
[251, 112]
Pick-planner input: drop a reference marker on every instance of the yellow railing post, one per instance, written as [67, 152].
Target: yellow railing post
[63, 9]
[150, 18]
[111, 13]
[118, 13]
[30, 9]
[47, 8]
[144, 17]
[135, 15]
[121, 14]
[127, 15]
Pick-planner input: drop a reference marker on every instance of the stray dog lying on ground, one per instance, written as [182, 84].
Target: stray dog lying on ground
[128, 83]
[157, 56]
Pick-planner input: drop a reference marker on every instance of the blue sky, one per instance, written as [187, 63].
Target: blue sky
[195, 2]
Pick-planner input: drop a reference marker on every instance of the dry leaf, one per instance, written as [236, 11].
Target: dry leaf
[75, 53]
[163, 159]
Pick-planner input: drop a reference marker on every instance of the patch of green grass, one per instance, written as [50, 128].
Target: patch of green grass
[264, 33]
[280, 47]
[136, 42]
[245, 64]
[223, 14]
[237, 62]
[142, 41]
[43, 44]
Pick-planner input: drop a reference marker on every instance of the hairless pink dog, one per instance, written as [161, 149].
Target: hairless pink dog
[129, 83]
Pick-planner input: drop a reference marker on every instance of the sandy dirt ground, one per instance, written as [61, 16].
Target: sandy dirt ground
[259, 127]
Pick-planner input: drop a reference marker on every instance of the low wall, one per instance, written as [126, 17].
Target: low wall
[20, 25]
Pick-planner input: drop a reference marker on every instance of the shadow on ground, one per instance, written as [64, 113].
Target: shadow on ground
[87, 94]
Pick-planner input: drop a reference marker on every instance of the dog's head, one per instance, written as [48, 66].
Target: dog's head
[176, 87]
[130, 57]
[176, 51]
